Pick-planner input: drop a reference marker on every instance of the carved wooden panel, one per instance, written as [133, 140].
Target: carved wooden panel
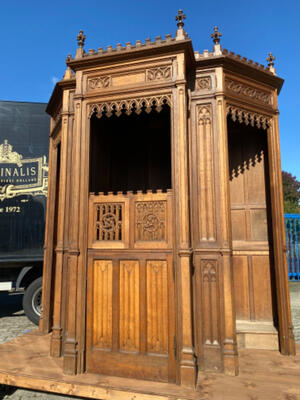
[157, 307]
[99, 82]
[203, 83]
[210, 302]
[247, 91]
[102, 299]
[109, 221]
[150, 220]
[130, 315]
[129, 306]
[159, 73]
[206, 195]
[130, 220]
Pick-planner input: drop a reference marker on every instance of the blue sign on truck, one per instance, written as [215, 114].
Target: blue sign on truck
[24, 143]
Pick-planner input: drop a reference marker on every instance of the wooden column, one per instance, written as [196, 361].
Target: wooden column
[70, 345]
[180, 165]
[83, 238]
[56, 338]
[207, 259]
[214, 314]
[45, 320]
[230, 359]
[286, 336]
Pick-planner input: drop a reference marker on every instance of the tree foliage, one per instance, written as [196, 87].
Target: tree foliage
[291, 193]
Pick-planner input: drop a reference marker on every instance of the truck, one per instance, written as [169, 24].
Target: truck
[24, 144]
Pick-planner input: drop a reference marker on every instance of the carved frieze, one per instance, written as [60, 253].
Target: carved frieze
[99, 82]
[248, 117]
[150, 220]
[203, 83]
[108, 224]
[248, 91]
[128, 106]
[159, 73]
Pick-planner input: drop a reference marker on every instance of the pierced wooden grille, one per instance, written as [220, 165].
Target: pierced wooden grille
[109, 221]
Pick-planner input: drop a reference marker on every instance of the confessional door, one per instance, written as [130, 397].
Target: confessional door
[130, 286]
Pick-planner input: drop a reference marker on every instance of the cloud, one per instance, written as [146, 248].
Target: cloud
[54, 79]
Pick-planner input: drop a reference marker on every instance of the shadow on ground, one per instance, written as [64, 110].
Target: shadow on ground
[6, 391]
[11, 304]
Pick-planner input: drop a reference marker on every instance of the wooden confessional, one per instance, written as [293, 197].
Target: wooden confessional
[165, 246]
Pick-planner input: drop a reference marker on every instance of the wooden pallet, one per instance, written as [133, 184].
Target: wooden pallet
[264, 374]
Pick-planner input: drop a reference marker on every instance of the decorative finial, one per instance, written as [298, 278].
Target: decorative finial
[180, 17]
[180, 33]
[81, 39]
[68, 58]
[216, 35]
[271, 60]
[216, 39]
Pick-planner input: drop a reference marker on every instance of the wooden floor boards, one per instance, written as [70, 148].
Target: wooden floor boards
[264, 374]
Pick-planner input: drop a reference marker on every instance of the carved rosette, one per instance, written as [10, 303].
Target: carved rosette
[203, 83]
[128, 106]
[150, 220]
[99, 82]
[248, 117]
[160, 73]
[248, 91]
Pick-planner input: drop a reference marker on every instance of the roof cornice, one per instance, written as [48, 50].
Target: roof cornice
[134, 53]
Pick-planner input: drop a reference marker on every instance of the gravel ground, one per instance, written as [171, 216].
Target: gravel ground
[13, 322]
[295, 303]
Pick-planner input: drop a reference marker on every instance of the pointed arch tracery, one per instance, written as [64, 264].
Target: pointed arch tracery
[128, 106]
[248, 117]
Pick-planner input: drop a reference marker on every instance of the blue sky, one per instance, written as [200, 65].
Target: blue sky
[37, 35]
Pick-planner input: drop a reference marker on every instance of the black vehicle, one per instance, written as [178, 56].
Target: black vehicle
[24, 143]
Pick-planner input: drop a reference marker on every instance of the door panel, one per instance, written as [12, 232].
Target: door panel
[130, 291]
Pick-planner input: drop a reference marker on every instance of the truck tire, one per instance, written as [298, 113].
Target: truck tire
[32, 300]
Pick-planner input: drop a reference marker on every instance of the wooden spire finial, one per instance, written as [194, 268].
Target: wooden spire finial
[216, 35]
[270, 60]
[81, 39]
[180, 17]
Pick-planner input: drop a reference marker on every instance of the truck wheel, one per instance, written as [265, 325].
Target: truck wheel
[32, 300]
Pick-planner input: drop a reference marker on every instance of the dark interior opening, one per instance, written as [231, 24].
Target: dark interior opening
[248, 155]
[131, 152]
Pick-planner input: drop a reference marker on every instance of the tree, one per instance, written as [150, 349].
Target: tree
[291, 193]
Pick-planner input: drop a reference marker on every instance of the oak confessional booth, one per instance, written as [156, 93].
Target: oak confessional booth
[165, 245]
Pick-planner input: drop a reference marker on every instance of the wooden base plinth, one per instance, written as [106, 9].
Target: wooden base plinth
[25, 362]
[56, 344]
[256, 335]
